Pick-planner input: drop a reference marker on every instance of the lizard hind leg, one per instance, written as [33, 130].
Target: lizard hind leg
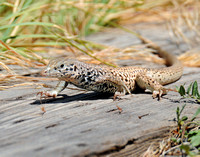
[146, 82]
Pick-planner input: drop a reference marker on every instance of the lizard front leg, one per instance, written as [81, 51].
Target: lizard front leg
[53, 93]
[146, 82]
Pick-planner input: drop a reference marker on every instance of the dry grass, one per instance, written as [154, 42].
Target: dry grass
[191, 57]
[29, 29]
[167, 147]
[186, 29]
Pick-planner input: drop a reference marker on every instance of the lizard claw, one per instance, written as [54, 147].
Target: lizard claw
[117, 96]
[157, 94]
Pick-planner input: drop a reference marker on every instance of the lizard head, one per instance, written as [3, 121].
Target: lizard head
[60, 68]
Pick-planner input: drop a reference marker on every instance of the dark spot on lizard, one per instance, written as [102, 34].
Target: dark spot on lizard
[88, 73]
[93, 72]
[75, 68]
[86, 83]
[89, 79]
[55, 68]
[71, 69]
[78, 76]
[62, 65]
[83, 80]
[100, 73]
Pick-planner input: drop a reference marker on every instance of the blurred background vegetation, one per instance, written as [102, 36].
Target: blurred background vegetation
[29, 28]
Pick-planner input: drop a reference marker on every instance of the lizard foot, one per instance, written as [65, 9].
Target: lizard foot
[159, 93]
[48, 94]
[117, 95]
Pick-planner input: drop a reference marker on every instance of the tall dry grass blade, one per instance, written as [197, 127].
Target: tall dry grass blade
[6, 68]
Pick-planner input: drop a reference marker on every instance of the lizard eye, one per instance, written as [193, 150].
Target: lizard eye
[62, 65]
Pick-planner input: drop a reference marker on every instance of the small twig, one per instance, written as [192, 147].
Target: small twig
[143, 115]
[169, 150]
[119, 108]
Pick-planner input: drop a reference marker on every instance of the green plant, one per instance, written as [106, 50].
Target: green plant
[190, 92]
[187, 134]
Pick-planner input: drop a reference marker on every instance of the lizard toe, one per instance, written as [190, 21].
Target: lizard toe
[48, 93]
[159, 93]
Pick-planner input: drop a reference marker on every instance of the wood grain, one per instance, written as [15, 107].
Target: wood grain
[79, 123]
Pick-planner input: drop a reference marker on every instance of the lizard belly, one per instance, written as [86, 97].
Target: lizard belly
[100, 87]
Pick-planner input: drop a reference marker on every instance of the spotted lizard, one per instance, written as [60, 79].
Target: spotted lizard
[107, 79]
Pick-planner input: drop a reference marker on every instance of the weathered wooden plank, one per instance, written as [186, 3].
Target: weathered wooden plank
[84, 126]
[79, 123]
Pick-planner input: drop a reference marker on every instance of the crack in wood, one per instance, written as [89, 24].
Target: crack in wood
[134, 146]
[113, 149]
[51, 126]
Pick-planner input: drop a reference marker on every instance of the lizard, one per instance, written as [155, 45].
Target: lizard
[120, 80]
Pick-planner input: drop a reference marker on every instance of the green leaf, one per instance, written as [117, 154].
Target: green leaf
[195, 89]
[181, 90]
[182, 108]
[184, 118]
[178, 114]
[182, 123]
[173, 139]
[194, 132]
[189, 88]
[196, 114]
[195, 139]
[186, 148]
